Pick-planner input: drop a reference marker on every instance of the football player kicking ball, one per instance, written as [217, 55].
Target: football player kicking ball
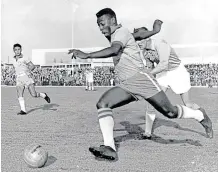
[23, 70]
[135, 82]
[170, 73]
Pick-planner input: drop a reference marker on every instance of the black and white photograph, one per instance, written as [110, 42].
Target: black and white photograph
[109, 86]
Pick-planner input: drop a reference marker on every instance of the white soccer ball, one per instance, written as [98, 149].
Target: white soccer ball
[35, 156]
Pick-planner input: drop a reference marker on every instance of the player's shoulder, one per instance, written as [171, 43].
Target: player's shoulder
[122, 29]
[26, 60]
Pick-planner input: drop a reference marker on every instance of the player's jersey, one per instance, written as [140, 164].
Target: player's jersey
[90, 76]
[128, 62]
[160, 51]
[21, 67]
[86, 75]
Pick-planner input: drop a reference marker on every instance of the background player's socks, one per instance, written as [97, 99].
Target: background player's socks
[43, 95]
[186, 112]
[22, 104]
[106, 121]
[149, 123]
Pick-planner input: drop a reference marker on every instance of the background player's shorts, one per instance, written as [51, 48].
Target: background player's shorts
[90, 79]
[141, 85]
[24, 80]
[178, 79]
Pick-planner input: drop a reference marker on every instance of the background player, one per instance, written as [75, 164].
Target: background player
[89, 80]
[87, 76]
[23, 70]
[135, 83]
[170, 73]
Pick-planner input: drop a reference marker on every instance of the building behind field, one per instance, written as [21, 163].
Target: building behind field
[59, 58]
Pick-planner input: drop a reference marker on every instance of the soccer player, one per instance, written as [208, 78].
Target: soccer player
[87, 76]
[170, 73]
[136, 83]
[89, 80]
[23, 70]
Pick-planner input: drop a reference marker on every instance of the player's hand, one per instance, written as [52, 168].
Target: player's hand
[157, 25]
[78, 54]
[70, 51]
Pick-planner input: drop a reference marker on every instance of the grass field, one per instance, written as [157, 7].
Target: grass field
[68, 126]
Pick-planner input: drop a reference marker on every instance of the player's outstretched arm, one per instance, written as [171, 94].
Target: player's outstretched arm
[163, 50]
[104, 53]
[144, 34]
[162, 66]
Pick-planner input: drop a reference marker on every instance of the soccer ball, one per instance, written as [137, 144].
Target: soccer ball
[35, 156]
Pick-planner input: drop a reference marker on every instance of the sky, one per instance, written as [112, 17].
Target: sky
[47, 24]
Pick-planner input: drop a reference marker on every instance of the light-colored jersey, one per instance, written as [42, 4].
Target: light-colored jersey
[160, 50]
[90, 75]
[128, 62]
[21, 66]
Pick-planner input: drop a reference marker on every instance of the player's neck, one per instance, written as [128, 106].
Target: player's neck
[19, 56]
[115, 27]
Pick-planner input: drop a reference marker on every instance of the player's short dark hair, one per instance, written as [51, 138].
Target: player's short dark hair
[106, 11]
[17, 45]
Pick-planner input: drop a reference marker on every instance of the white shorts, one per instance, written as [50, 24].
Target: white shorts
[178, 79]
[90, 79]
[24, 80]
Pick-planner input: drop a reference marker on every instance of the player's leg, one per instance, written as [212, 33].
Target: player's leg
[89, 85]
[113, 98]
[150, 90]
[164, 106]
[33, 93]
[150, 116]
[86, 84]
[181, 85]
[162, 79]
[92, 86]
[187, 102]
[20, 90]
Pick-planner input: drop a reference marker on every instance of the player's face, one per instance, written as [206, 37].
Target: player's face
[143, 44]
[104, 23]
[17, 51]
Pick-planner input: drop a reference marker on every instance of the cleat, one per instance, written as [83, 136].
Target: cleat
[144, 136]
[21, 113]
[105, 152]
[47, 98]
[207, 124]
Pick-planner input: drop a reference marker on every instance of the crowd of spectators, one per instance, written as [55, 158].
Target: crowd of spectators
[200, 75]
[60, 77]
[203, 74]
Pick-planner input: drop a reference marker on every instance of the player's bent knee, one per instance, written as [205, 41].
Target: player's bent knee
[100, 104]
[161, 103]
[33, 94]
[171, 115]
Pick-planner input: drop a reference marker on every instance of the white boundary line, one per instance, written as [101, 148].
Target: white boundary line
[50, 86]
